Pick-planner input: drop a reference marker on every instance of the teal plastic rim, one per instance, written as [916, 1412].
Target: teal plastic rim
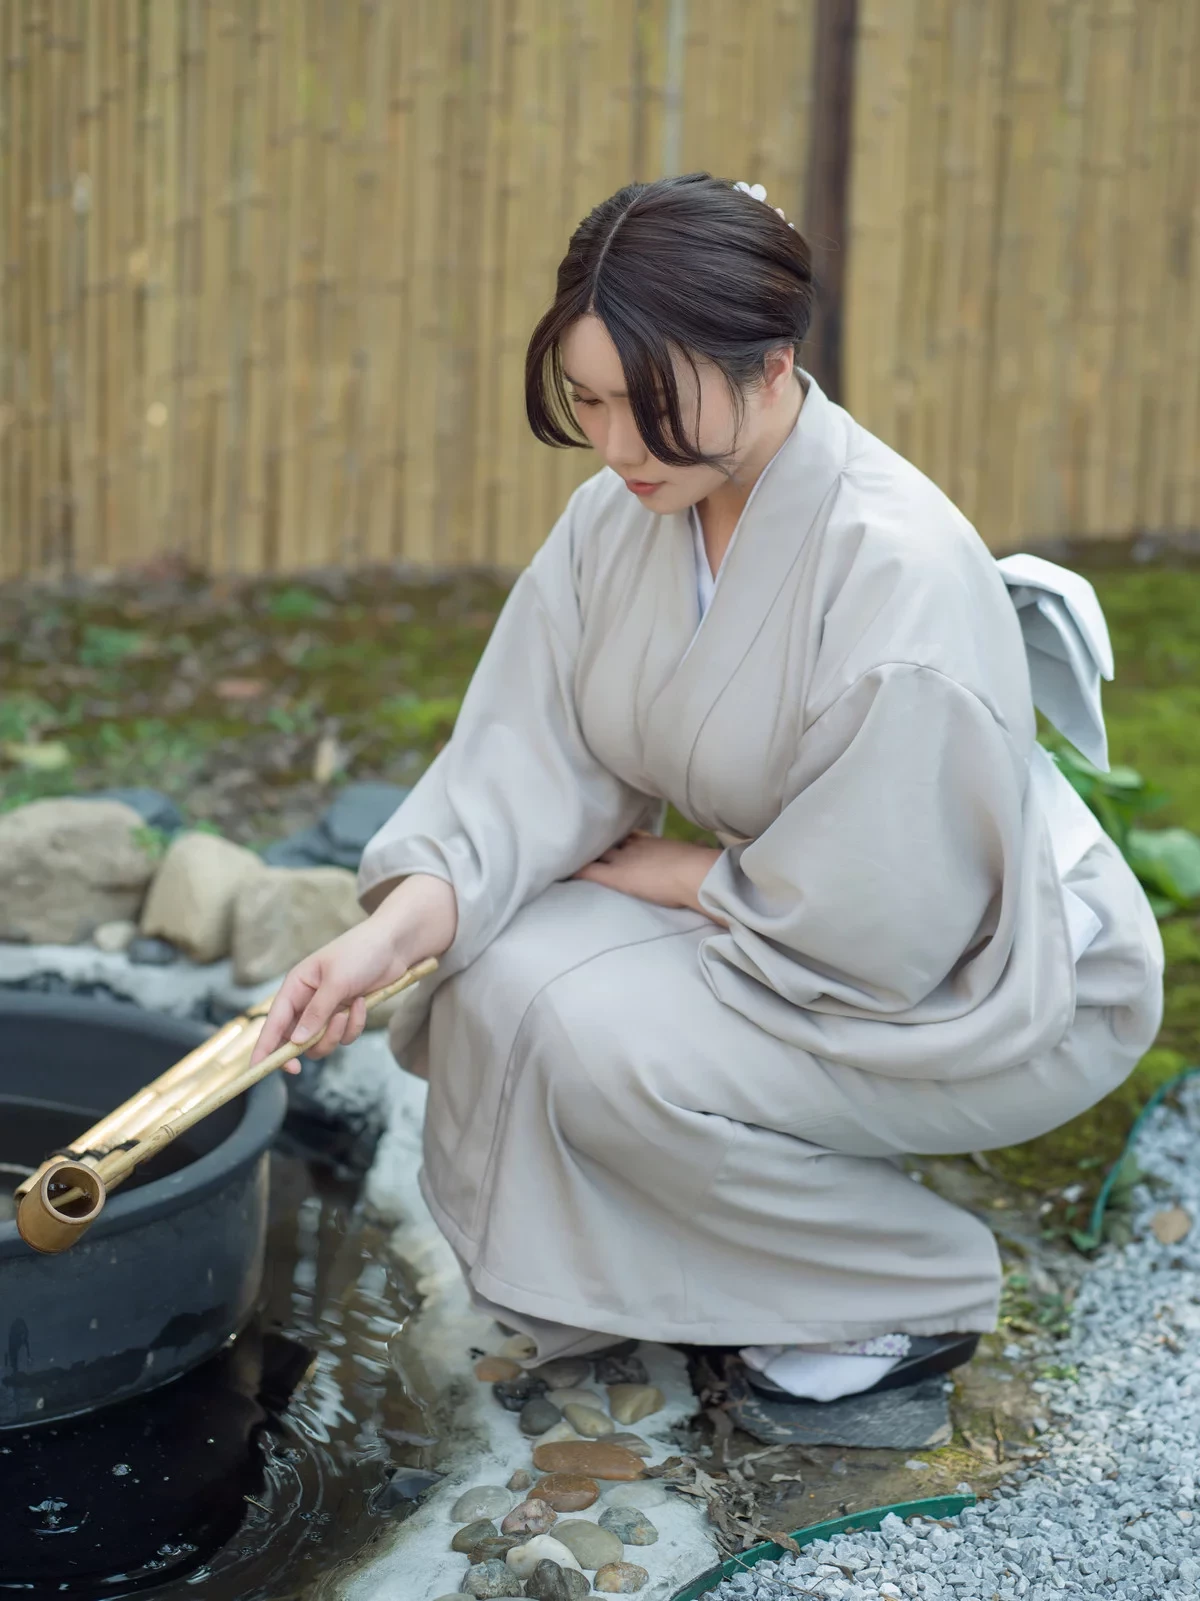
[937, 1506]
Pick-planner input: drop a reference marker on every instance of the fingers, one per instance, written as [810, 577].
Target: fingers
[356, 1022]
[293, 996]
[332, 1037]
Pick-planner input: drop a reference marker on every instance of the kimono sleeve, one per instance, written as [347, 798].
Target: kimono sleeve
[892, 860]
[515, 800]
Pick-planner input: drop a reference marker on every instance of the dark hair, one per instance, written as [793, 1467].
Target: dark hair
[685, 265]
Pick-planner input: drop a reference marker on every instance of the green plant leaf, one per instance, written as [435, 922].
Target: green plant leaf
[109, 647]
[1167, 861]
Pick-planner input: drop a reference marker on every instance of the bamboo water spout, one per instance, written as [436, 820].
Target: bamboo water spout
[65, 1196]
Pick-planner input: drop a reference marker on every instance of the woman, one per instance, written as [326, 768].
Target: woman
[670, 1086]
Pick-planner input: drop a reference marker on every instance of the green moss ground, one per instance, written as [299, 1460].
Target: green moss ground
[224, 696]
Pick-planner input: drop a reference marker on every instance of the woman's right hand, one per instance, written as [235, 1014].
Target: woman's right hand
[416, 920]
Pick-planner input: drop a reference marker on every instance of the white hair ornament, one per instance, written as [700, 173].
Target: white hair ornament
[757, 192]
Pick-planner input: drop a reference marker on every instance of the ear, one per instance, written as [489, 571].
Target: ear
[777, 369]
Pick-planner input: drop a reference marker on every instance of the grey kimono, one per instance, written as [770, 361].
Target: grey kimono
[642, 1123]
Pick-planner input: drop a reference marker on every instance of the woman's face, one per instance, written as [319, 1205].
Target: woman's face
[596, 383]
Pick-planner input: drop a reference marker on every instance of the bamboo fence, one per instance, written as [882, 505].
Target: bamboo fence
[269, 266]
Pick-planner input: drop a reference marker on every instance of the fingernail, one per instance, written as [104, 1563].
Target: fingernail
[299, 1035]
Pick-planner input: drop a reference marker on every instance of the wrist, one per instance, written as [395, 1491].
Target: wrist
[694, 871]
[419, 917]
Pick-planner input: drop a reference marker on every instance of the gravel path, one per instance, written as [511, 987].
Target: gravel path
[1113, 1510]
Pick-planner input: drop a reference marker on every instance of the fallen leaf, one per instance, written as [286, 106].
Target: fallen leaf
[39, 757]
[1171, 1226]
[239, 688]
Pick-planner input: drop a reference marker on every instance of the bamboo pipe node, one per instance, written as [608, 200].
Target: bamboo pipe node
[66, 1200]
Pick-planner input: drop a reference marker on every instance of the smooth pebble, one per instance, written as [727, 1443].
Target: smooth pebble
[631, 1442]
[620, 1578]
[560, 1431]
[587, 1420]
[531, 1517]
[493, 1578]
[519, 1348]
[591, 1545]
[647, 1492]
[484, 1501]
[621, 1370]
[576, 1396]
[630, 1525]
[550, 1582]
[491, 1369]
[521, 1480]
[512, 1394]
[494, 1548]
[537, 1416]
[470, 1535]
[565, 1371]
[522, 1559]
[567, 1492]
[594, 1458]
[630, 1403]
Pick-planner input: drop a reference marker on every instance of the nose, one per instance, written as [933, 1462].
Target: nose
[625, 448]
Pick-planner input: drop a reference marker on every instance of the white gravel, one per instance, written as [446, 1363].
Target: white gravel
[1113, 1510]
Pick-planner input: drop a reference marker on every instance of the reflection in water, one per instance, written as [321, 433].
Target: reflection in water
[255, 1475]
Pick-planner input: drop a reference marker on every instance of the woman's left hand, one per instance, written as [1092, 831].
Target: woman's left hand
[667, 872]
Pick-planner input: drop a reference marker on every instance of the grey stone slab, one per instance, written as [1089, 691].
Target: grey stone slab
[910, 1419]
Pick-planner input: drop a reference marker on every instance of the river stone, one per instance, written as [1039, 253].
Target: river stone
[281, 914]
[538, 1415]
[620, 1578]
[494, 1548]
[550, 1582]
[595, 1458]
[564, 1372]
[512, 1394]
[591, 1545]
[359, 811]
[630, 1525]
[146, 952]
[648, 1492]
[631, 1442]
[67, 866]
[630, 1403]
[470, 1535]
[155, 809]
[114, 937]
[522, 1559]
[520, 1347]
[455, 1595]
[531, 1517]
[484, 1501]
[491, 1369]
[192, 897]
[576, 1396]
[521, 1480]
[621, 1370]
[587, 1420]
[492, 1579]
[567, 1492]
[560, 1431]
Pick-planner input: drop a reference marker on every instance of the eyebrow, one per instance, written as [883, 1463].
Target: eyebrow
[616, 394]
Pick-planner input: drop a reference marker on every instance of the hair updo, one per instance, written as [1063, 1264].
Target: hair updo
[690, 266]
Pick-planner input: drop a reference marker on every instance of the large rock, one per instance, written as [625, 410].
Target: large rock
[154, 808]
[67, 866]
[192, 897]
[358, 812]
[286, 913]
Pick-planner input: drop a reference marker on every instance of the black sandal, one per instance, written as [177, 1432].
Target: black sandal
[929, 1355]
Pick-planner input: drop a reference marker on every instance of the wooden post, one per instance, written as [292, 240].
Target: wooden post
[826, 210]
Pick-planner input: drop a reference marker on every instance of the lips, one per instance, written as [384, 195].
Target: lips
[640, 488]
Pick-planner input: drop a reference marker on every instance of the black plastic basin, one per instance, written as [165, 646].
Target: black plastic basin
[172, 1266]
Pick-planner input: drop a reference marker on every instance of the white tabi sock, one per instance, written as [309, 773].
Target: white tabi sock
[827, 1372]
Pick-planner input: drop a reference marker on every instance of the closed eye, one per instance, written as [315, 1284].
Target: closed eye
[581, 400]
